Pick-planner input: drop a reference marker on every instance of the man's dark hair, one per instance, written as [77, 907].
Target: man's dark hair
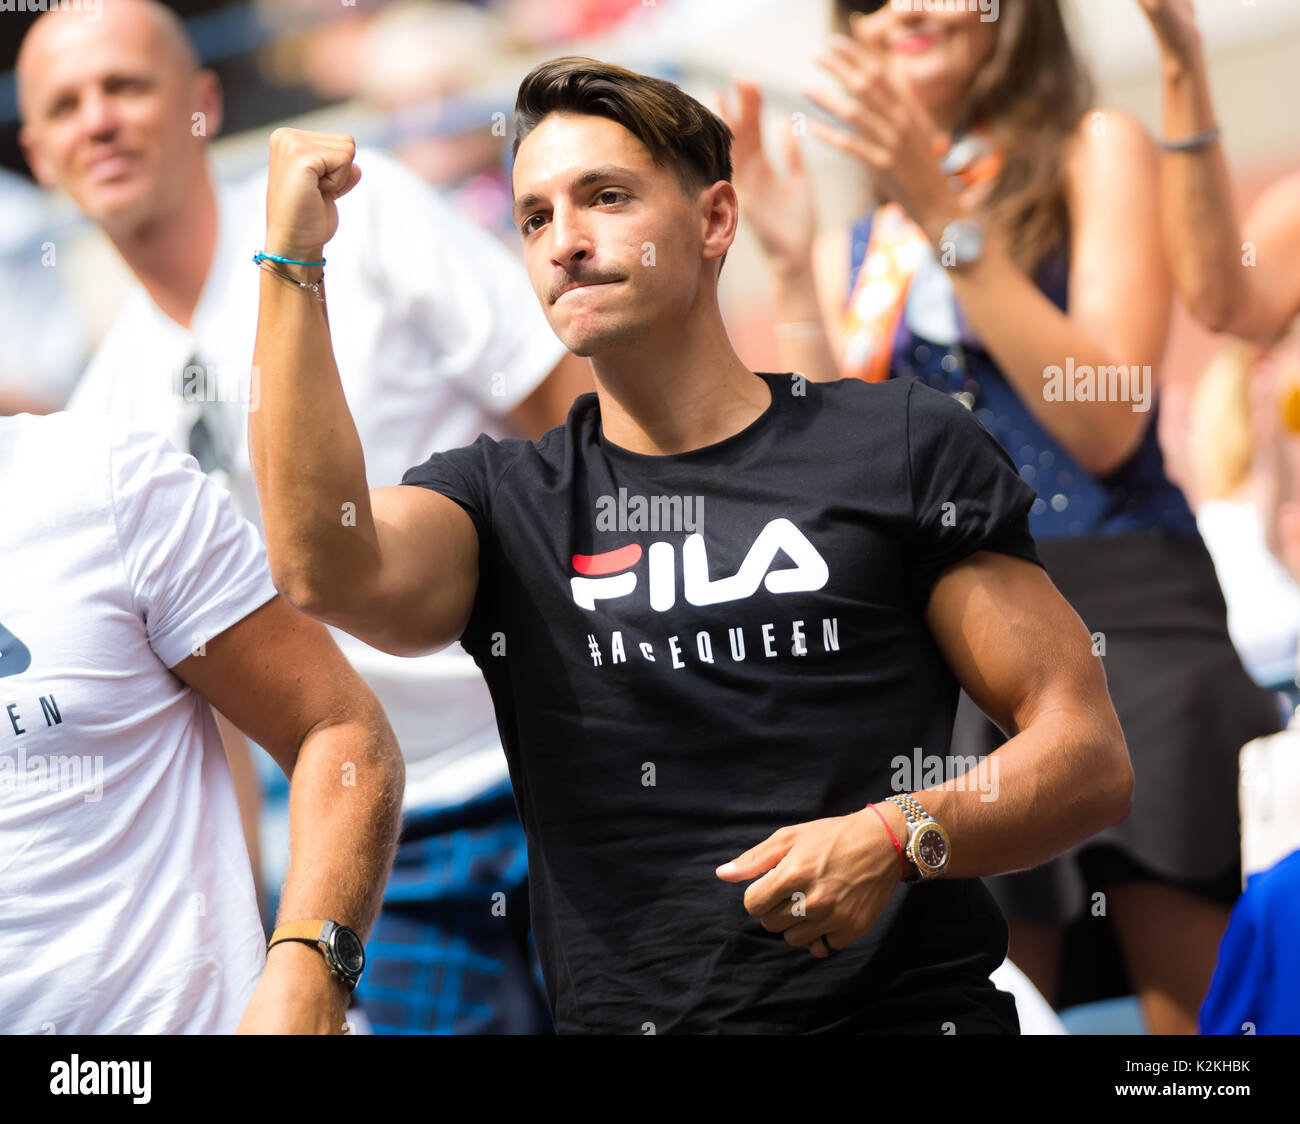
[679, 132]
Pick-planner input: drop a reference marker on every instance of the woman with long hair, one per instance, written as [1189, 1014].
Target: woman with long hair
[1013, 259]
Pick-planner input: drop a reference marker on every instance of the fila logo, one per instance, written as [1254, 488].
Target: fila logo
[611, 575]
[14, 656]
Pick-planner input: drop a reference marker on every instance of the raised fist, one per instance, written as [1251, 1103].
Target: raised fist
[308, 172]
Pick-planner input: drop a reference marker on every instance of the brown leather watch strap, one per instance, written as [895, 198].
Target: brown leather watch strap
[297, 931]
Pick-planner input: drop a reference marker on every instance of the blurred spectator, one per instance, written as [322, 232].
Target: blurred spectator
[44, 348]
[440, 76]
[549, 22]
[1256, 986]
[1238, 461]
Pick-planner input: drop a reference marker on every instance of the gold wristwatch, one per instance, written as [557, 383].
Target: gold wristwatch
[928, 849]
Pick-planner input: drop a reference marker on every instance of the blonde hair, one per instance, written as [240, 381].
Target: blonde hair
[1220, 440]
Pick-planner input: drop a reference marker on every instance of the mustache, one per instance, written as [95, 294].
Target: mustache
[572, 280]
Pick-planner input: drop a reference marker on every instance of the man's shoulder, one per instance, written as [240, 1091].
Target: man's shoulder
[489, 460]
[856, 394]
[60, 436]
[551, 449]
[57, 466]
[904, 408]
[847, 414]
[881, 429]
[941, 427]
[87, 448]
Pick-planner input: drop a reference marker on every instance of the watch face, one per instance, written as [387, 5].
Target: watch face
[347, 947]
[931, 849]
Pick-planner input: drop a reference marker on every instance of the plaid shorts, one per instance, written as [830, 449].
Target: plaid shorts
[452, 951]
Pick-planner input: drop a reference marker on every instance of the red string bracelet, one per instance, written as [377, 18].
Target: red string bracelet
[897, 846]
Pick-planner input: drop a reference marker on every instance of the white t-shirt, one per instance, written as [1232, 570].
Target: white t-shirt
[1263, 601]
[126, 896]
[437, 335]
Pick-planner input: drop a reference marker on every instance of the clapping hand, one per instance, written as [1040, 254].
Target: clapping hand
[778, 206]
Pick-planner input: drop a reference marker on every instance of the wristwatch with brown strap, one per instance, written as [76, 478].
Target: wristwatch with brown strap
[340, 946]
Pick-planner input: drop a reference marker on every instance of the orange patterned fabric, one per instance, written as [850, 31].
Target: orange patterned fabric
[896, 250]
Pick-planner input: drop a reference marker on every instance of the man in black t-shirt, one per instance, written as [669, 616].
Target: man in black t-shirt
[723, 615]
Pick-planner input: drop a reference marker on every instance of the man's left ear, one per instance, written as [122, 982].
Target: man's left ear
[210, 104]
[40, 167]
[721, 214]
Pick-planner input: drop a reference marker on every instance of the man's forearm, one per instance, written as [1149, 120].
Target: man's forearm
[306, 455]
[345, 807]
[1056, 783]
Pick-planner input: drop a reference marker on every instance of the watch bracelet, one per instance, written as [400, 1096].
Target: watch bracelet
[916, 817]
[914, 871]
[911, 807]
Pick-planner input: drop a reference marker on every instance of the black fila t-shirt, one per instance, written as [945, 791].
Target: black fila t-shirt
[689, 652]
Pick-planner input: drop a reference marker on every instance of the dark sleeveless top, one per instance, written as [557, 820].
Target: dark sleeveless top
[1137, 496]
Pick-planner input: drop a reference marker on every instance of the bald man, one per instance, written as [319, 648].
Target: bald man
[442, 341]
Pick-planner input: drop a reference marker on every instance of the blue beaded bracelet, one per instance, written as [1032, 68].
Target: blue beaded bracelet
[1195, 143]
[261, 256]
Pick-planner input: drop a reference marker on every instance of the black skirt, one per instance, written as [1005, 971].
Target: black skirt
[1186, 705]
